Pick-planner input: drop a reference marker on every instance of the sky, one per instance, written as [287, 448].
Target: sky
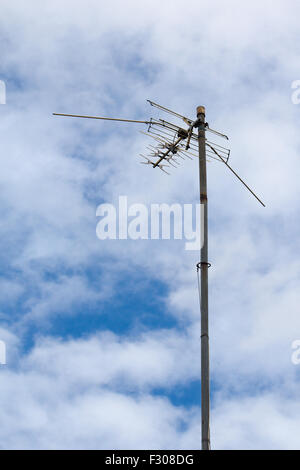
[102, 336]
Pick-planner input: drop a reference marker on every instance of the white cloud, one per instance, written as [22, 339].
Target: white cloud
[268, 421]
[94, 393]
[156, 359]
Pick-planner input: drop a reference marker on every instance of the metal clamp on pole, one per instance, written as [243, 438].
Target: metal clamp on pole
[202, 264]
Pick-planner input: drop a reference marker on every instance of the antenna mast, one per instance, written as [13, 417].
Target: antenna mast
[203, 266]
[174, 142]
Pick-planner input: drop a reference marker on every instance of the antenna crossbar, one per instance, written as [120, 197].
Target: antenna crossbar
[103, 118]
[238, 177]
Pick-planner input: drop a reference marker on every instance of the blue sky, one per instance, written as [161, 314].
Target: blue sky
[103, 336]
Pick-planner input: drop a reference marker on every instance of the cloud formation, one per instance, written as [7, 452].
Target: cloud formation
[101, 390]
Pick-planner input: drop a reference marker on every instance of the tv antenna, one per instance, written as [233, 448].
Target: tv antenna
[171, 144]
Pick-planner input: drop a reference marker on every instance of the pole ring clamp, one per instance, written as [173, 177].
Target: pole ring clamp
[202, 264]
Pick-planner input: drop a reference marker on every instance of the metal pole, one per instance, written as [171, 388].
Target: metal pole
[205, 432]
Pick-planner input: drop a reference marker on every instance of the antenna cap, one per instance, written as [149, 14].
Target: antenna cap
[200, 110]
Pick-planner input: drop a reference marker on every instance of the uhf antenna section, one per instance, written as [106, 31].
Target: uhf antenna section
[174, 141]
